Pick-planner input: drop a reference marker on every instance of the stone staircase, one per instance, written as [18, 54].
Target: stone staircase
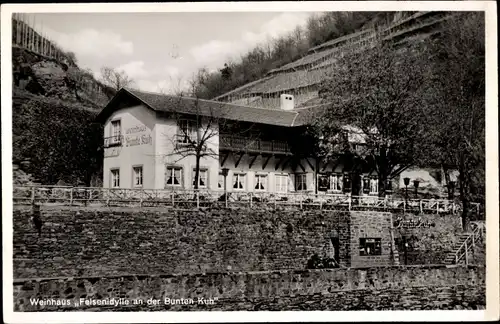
[467, 242]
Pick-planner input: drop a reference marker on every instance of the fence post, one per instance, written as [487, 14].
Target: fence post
[421, 207]
[453, 208]
[437, 207]
[404, 206]
[71, 197]
[350, 202]
[225, 198]
[320, 204]
[32, 194]
[300, 201]
[274, 196]
[251, 198]
[197, 199]
[466, 254]
[173, 199]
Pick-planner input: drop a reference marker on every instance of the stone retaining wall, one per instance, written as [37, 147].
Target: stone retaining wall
[432, 287]
[104, 242]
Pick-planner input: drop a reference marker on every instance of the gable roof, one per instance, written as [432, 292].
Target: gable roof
[202, 107]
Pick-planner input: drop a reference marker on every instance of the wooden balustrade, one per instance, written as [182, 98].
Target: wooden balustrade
[236, 143]
[180, 198]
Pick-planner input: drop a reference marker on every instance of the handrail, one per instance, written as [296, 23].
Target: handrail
[476, 233]
[174, 195]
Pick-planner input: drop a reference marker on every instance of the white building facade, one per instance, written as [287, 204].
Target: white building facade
[143, 133]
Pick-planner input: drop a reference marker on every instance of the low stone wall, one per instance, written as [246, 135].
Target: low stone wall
[103, 242]
[432, 287]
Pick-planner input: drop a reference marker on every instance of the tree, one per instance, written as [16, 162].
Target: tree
[115, 78]
[456, 105]
[199, 123]
[375, 96]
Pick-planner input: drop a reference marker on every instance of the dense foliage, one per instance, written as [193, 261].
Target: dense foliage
[420, 105]
[54, 141]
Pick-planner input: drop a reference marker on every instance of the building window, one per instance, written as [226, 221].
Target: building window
[186, 131]
[323, 182]
[202, 178]
[260, 182]
[116, 130]
[366, 186]
[281, 183]
[220, 182]
[329, 182]
[301, 182]
[239, 181]
[373, 186]
[137, 176]
[370, 246]
[336, 182]
[346, 183]
[173, 176]
[115, 178]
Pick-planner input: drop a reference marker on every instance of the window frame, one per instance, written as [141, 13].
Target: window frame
[182, 137]
[134, 167]
[113, 128]
[220, 181]
[264, 184]
[373, 184]
[172, 175]
[336, 181]
[236, 177]
[377, 246]
[304, 183]
[112, 177]
[199, 178]
[286, 178]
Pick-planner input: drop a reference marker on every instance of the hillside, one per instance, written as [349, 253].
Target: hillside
[54, 136]
[301, 77]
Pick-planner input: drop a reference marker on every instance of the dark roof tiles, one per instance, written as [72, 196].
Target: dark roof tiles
[168, 103]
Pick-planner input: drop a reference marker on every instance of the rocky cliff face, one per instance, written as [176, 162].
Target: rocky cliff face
[47, 77]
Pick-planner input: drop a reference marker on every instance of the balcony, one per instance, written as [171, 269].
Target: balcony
[241, 144]
[111, 141]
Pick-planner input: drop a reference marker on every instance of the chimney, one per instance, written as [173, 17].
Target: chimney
[286, 102]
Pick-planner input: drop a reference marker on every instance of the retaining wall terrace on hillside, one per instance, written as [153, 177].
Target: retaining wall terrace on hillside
[93, 242]
[432, 287]
[78, 241]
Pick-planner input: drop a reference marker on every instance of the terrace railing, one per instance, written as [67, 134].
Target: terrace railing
[231, 142]
[85, 196]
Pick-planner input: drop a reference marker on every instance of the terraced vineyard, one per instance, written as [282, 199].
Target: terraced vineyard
[302, 76]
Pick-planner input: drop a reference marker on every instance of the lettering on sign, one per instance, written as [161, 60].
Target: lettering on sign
[400, 223]
[111, 152]
[135, 129]
[138, 139]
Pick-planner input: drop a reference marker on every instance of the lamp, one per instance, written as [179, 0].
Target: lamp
[451, 189]
[225, 171]
[407, 182]
[415, 184]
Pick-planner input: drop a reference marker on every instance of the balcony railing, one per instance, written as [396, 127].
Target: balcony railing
[181, 198]
[237, 143]
[111, 141]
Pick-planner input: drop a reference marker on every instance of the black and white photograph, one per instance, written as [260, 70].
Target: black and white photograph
[250, 161]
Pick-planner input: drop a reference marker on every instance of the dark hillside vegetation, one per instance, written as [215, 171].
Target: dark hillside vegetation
[56, 141]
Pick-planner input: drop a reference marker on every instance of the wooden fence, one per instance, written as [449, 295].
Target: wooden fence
[87, 196]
